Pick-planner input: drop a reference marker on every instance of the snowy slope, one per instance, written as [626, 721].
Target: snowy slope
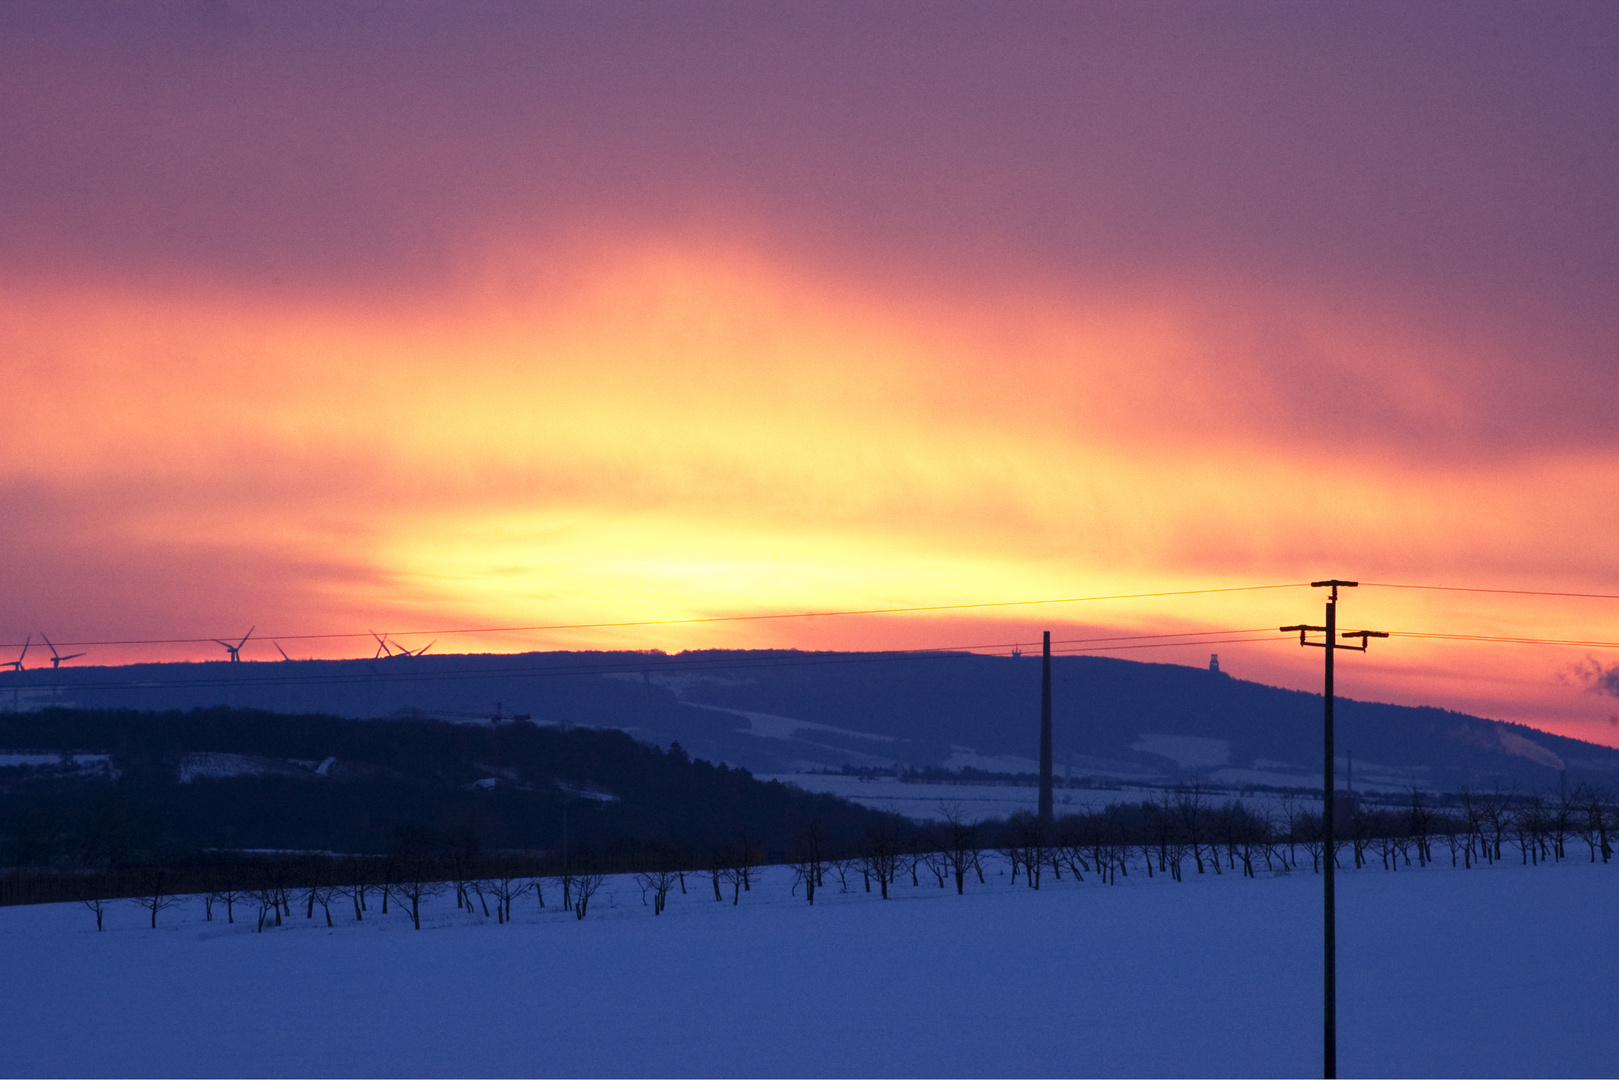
[1115, 721]
[1490, 972]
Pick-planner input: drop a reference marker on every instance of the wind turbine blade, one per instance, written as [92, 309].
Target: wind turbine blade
[424, 648]
[74, 656]
[247, 635]
[280, 650]
[47, 642]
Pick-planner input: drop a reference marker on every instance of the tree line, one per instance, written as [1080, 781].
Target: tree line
[1182, 831]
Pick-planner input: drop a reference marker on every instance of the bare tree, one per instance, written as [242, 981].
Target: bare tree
[390, 867]
[1191, 813]
[1421, 825]
[1313, 834]
[937, 862]
[324, 895]
[658, 883]
[316, 872]
[225, 886]
[1072, 845]
[1591, 822]
[716, 874]
[565, 882]
[1360, 831]
[1472, 828]
[1289, 808]
[1602, 811]
[476, 887]
[1495, 810]
[506, 885]
[843, 868]
[1165, 824]
[415, 884]
[810, 863]
[153, 898]
[463, 865]
[1455, 838]
[268, 898]
[1562, 822]
[99, 906]
[960, 849]
[880, 858]
[737, 868]
[1012, 853]
[1528, 826]
[1031, 842]
[585, 884]
[358, 884]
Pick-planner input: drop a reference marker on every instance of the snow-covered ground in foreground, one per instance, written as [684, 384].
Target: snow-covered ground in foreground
[1490, 972]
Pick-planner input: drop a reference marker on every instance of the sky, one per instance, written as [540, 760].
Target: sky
[341, 317]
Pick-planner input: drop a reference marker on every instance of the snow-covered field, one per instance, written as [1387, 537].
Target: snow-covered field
[1491, 972]
[983, 802]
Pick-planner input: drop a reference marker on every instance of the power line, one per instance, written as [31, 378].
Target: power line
[1506, 640]
[917, 609]
[1169, 644]
[211, 639]
[1504, 592]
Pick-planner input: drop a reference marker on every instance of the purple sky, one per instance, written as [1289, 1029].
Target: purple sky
[1353, 236]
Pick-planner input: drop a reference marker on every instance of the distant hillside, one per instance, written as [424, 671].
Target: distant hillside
[82, 786]
[777, 712]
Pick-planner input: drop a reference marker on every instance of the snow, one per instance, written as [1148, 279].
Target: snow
[96, 763]
[215, 766]
[930, 802]
[925, 802]
[1489, 972]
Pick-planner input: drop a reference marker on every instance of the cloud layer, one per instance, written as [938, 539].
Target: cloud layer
[353, 314]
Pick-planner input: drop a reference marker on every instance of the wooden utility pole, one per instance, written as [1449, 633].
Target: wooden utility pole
[1045, 813]
[1329, 1023]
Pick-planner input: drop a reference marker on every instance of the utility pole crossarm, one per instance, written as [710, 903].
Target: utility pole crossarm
[1303, 630]
[1363, 635]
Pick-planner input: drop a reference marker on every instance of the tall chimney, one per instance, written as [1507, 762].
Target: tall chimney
[1045, 732]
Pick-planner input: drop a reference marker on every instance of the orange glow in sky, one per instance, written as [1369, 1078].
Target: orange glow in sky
[697, 431]
[530, 321]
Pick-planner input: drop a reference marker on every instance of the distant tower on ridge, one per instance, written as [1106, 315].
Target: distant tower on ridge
[1214, 662]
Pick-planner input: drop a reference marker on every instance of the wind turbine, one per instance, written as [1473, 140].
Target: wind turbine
[382, 646]
[56, 657]
[16, 665]
[419, 651]
[236, 649]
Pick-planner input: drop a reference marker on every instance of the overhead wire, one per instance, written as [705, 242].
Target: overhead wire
[1502, 592]
[214, 638]
[1111, 643]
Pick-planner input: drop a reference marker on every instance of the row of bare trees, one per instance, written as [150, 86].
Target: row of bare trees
[269, 890]
[1187, 830]
[1184, 830]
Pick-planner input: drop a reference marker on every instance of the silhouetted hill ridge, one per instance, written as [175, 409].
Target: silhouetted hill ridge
[783, 710]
